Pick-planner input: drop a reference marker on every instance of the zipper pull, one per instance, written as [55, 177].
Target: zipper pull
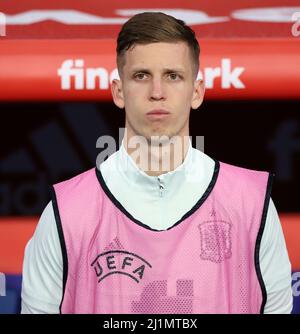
[161, 187]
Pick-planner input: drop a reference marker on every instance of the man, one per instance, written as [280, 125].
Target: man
[192, 235]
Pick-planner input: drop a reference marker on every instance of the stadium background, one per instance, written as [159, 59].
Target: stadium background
[48, 132]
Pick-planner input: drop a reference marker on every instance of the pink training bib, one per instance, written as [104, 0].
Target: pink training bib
[208, 262]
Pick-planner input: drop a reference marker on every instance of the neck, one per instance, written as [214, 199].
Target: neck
[157, 158]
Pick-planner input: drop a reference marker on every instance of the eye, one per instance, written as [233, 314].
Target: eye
[174, 76]
[140, 76]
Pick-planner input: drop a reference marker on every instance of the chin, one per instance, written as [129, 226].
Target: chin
[159, 138]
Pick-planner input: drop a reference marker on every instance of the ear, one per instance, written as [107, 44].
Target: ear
[117, 93]
[198, 94]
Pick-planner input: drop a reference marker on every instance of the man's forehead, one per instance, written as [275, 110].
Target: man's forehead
[140, 56]
[180, 46]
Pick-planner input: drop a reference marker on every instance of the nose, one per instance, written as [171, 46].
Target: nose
[157, 90]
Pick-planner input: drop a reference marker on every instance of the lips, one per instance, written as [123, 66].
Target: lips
[158, 112]
[157, 115]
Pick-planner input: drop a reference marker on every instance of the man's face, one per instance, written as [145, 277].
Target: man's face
[158, 77]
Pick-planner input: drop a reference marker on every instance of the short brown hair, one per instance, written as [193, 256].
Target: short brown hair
[153, 27]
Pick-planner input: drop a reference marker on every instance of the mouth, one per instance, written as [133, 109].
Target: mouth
[157, 114]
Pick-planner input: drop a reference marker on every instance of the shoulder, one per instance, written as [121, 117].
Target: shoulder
[77, 179]
[246, 179]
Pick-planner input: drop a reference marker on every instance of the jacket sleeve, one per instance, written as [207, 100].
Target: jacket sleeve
[275, 265]
[42, 268]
